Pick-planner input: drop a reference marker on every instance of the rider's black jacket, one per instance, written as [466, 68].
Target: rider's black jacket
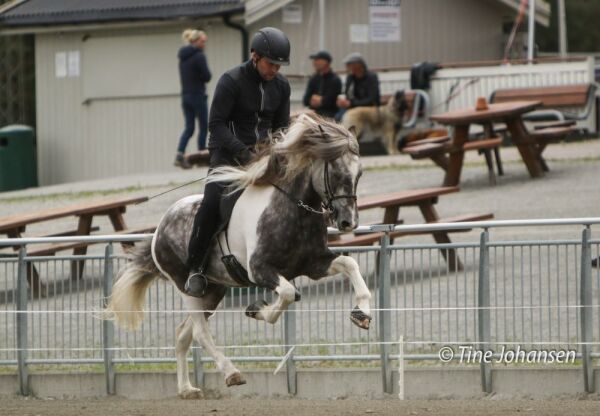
[245, 108]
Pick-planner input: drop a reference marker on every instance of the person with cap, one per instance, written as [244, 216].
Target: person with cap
[323, 87]
[362, 85]
[250, 101]
[194, 74]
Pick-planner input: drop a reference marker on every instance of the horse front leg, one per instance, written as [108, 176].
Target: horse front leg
[202, 334]
[346, 265]
[262, 311]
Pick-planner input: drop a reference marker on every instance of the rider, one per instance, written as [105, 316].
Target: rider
[250, 101]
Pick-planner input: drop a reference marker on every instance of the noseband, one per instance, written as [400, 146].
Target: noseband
[329, 195]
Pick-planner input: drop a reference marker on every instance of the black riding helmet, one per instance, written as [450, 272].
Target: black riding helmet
[272, 44]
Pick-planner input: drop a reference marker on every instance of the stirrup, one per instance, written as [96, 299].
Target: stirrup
[196, 284]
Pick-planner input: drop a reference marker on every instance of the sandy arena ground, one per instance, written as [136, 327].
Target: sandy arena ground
[256, 407]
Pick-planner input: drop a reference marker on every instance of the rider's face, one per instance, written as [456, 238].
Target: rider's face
[266, 69]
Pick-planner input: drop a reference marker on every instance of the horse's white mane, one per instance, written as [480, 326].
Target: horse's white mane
[309, 138]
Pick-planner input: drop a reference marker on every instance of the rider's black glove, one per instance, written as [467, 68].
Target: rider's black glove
[244, 157]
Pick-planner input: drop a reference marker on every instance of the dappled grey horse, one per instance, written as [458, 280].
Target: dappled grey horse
[306, 178]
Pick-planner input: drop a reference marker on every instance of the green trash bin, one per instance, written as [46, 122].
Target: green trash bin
[18, 165]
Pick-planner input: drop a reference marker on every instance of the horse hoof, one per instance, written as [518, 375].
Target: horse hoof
[191, 394]
[253, 309]
[235, 379]
[360, 319]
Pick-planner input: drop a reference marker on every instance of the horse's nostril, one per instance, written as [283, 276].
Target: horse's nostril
[346, 224]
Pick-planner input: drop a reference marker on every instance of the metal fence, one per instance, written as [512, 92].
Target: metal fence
[538, 294]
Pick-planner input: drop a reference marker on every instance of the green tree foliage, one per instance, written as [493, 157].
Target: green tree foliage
[583, 28]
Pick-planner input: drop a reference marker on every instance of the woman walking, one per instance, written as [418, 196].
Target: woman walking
[194, 74]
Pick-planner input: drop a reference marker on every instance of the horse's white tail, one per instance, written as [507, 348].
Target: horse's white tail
[126, 304]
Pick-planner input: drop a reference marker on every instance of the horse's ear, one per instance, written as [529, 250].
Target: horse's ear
[352, 129]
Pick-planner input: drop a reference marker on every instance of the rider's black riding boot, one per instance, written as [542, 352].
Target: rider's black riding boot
[205, 225]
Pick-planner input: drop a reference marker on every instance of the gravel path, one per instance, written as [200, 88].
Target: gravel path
[254, 407]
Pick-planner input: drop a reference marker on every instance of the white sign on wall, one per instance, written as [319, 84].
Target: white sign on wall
[73, 64]
[60, 64]
[67, 64]
[292, 13]
[384, 19]
[359, 33]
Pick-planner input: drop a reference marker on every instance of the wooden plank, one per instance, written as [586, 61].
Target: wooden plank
[201, 157]
[438, 139]
[550, 97]
[551, 124]
[551, 134]
[495, 112]
[93, 208]
[526, 146]
[403, 197]
[461, 135]
[421, 151]
[84, 228]
[482, 144]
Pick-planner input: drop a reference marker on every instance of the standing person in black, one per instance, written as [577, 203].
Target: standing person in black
[362, 86]
[193, 74]
[323, 87]
[250, 101]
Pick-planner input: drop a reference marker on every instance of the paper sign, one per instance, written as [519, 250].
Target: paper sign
[384, 18]
[292, 13]
[60, 64]
[73, 64]
[359, 33]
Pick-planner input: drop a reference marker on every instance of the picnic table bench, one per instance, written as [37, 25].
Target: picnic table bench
[556, 102]
[15, 225]
[199, 158]
[425, 199]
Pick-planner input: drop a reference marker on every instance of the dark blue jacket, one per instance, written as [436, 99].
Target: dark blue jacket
[193, 70]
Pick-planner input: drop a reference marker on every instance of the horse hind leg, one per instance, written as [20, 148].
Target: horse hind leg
[201, 333]
[346, 265]
[262, 311]
[184, 337]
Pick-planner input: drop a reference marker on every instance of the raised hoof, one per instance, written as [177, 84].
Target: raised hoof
[360, 319]
[253, 309]
[235, 379]
[191, 394]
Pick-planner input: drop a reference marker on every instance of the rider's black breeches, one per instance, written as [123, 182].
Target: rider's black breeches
[207, 218]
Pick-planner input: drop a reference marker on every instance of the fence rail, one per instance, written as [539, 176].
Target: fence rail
[533, 293]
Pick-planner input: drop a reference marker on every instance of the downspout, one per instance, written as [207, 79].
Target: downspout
[245, 44]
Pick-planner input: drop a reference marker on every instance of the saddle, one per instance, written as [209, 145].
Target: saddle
[231, 263]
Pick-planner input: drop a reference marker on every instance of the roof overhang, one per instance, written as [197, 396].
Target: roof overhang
[12, 21]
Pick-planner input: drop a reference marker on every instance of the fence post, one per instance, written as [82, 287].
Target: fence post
[198, 366]
[585, 299]
[108, 329]
[22, 322]
[385, 324]
[290, 341]
[483, 311]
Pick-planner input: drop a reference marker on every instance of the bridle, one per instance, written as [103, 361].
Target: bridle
[327, 205]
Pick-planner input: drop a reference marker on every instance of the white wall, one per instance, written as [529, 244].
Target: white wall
[122, 114]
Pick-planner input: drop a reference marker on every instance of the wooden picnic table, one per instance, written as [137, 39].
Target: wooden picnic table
[425, 199]
[15, 225]
[509, 113]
